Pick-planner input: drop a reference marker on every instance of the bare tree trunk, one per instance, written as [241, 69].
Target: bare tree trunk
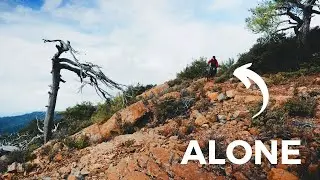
[87, 70]
[305, 28]
[48, 122]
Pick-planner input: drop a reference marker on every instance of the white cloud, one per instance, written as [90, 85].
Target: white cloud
[51, 4]
[219, 5]
[134, 42]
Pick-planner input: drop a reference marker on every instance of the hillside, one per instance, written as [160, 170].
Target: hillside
[147, 139]
[12, 124]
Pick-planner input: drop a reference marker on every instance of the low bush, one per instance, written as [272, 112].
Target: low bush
[76, 118]
[107, 109]
[134, 90]
[3, 166]
[174, 82]
[271, 121]
[301, 106]
[78, 143]
[170, 108]
[196, 69]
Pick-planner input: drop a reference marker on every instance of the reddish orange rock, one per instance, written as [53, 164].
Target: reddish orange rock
[208, 86]
[281, 174]
[313, 168]
[254, 131]
[173, 95]
[239, 176]
[155, 91]
[58, 157]
[213, 96]
[282, 166]
[136, 175]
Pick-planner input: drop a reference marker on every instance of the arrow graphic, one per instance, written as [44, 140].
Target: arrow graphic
[243, 74]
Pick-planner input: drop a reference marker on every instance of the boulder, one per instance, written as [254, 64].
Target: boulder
[130, 115]
[281, 174]
[133, 113]
[155, 91]
[92, 132]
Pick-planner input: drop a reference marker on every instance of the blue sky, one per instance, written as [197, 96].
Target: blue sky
[133, 40]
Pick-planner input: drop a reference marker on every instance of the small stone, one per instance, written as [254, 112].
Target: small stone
[213, 96]
[74, 164]
[254, 131]
[228, 170]
[20, 168]
[221, 97]
[205, 126]
[72, 177]
[231, 93]
[173, 138]
[12, 168]
[3, 158]
[84, 172]
[58, 157]
[222, 117]
[240, 114]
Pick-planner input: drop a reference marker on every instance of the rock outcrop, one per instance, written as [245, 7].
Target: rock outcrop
[220, 112]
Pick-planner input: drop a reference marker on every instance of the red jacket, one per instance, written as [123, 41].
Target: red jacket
[213, 61]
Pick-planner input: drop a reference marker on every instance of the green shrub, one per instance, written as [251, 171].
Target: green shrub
[225, 66]
[171, 108]
[301, 106]
[77, 117]
[174, 82]
[133, 91]
[272, 121]
[3, 166]
[106, 110]
[282, 54]
[197, 69]
[20, 156]
[78, 143]
[29, 167]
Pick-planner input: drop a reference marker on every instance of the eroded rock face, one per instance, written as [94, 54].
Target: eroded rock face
[129, 115]
[156, 152]
[154, 92]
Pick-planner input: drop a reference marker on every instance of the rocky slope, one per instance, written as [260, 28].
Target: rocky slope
[155, 147]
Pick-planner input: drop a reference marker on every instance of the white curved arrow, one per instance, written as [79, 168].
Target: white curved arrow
[243, 74]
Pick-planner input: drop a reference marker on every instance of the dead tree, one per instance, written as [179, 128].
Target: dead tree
[89, 74]
[17, 142]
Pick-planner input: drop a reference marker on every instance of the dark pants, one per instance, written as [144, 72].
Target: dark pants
[212, 71]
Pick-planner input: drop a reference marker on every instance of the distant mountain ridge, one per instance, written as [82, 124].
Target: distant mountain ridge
[12, 124]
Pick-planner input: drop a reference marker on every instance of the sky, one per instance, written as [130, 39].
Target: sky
[135, 41]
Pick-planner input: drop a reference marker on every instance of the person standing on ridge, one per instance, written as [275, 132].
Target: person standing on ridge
[213, 65]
